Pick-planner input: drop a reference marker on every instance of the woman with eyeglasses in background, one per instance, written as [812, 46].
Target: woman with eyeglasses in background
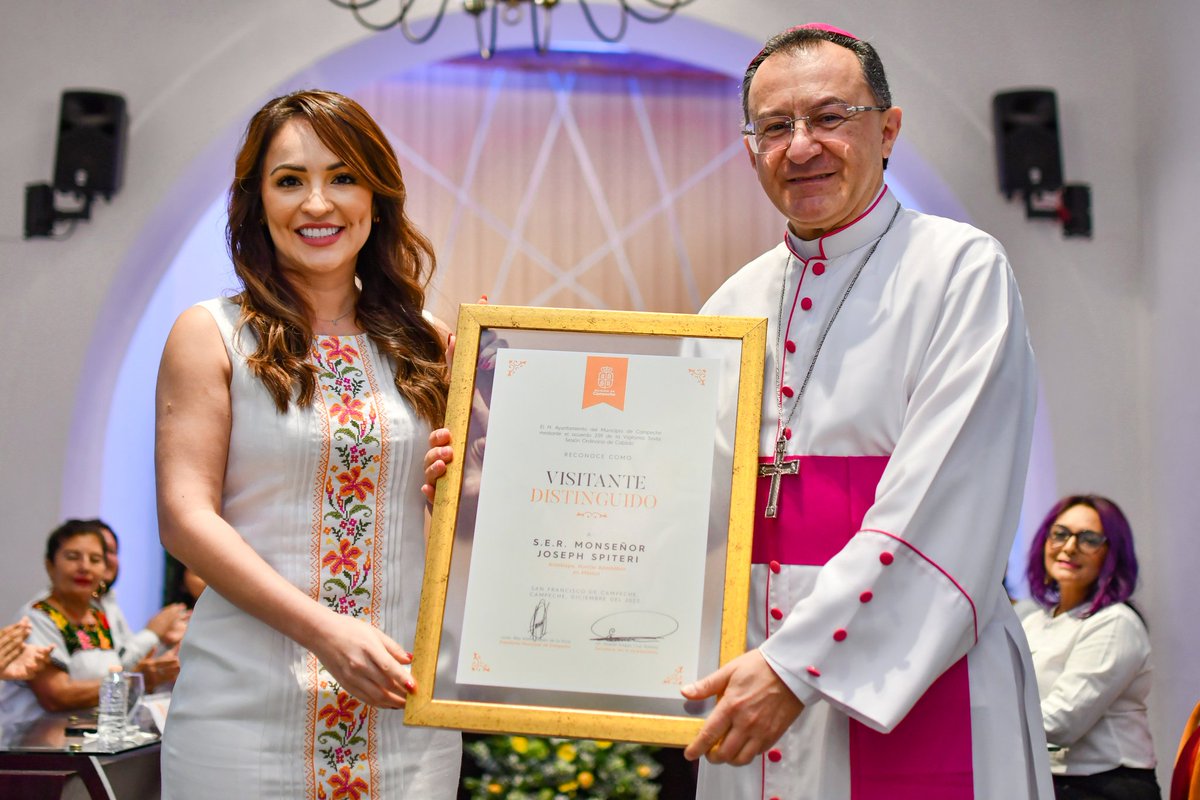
[1091, 652]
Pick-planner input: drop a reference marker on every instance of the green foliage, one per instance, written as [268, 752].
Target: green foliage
[535, 768]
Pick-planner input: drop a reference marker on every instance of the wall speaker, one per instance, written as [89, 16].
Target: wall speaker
[93, 128]
[39, 210]
[1076, 210]
[1028, 154]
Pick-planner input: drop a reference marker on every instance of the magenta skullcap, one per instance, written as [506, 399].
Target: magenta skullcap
[821, 26]
[816, 26]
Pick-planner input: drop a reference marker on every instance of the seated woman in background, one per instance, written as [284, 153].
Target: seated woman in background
[70, 621]
[1091, 652]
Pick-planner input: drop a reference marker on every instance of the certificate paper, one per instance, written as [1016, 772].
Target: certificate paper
[587, 564]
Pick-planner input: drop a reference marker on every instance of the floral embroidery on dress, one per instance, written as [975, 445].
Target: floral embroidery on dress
[348, 504]
[96, 636]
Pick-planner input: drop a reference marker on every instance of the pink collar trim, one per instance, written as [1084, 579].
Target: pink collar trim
[851, 236]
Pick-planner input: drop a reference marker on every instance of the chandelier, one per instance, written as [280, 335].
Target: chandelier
[489, 13]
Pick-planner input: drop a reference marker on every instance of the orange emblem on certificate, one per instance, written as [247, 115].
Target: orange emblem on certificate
[604, 381]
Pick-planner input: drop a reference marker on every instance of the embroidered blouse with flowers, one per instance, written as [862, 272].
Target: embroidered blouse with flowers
[84, 651]
[93, 634]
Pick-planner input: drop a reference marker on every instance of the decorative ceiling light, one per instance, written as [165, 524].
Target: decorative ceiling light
[511, 11]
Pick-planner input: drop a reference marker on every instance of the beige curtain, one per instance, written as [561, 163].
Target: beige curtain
[576, 183]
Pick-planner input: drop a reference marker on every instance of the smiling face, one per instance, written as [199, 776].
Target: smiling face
[318, 212]
[77, 568]
[1074, 570]
[823, 183]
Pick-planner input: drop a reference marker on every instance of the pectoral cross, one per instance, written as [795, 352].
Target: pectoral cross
[777, 469]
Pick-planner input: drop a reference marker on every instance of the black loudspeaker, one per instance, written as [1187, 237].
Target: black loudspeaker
[1028, 155]
[39, 210]
[1076, 210]
[93, 128]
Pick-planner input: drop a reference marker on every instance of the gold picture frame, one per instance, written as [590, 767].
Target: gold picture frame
[440, 700]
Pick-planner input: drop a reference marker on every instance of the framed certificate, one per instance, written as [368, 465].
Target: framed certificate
[589, 552]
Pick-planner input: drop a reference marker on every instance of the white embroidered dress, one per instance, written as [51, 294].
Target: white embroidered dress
[876, 593]
[329, 496]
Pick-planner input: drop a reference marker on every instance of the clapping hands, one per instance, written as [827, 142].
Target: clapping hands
[19, 660]
[157, 671]
[170, 623]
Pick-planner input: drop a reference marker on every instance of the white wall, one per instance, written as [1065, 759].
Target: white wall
[1168, 165]
[1119, 398]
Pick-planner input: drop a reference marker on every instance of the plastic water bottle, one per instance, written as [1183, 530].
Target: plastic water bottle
[111, 728]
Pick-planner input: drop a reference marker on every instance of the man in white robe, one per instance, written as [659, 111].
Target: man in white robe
[885, 661]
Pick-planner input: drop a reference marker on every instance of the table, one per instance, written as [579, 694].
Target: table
[49, 759]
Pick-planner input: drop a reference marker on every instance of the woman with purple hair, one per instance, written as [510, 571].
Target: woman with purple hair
[1091, 652]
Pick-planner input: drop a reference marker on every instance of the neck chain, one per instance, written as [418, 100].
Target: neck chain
[341, 316]
[778, 468]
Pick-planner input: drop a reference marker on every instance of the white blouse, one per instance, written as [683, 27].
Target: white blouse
[1093, 675]
[18, 703]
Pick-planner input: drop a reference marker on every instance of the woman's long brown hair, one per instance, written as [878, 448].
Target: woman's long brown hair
[394, 265]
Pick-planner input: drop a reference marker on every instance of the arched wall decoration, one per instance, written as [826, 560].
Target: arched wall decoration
[114, 471]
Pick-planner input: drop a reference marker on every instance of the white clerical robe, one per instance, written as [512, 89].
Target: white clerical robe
[877, 591]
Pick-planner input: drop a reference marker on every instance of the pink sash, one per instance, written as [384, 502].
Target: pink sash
[928, 755]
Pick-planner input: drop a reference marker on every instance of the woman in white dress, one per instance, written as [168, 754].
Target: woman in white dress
[291, 424]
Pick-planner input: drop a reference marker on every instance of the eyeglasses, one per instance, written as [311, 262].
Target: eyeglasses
[1087, 541]
[769, 134]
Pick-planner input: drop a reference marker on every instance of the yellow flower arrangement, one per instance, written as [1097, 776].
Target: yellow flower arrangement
[539, 768]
